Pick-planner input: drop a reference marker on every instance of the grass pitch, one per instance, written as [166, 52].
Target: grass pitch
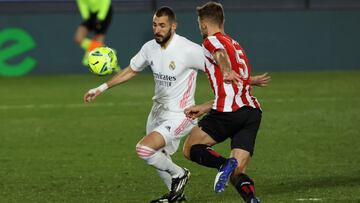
[54, 148]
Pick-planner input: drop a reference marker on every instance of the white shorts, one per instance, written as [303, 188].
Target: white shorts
[171, 125]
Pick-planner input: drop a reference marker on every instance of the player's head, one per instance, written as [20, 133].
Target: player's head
[210, 14]
[164, 24]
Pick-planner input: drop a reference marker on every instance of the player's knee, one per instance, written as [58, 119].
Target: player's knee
[186, 151]
[78, 39]
[144, 152]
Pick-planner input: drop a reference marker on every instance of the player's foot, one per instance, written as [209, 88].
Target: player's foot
[181, 198]
[224, 173]
[178, 186]
[253, 200]
[165, 199]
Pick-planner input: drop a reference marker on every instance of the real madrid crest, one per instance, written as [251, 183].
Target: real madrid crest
[172, 65]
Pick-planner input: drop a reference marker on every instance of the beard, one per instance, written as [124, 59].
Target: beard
[163, 39]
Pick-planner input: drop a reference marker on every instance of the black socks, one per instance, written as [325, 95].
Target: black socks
[206, 156]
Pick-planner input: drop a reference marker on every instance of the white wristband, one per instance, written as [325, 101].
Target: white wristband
[103, 87]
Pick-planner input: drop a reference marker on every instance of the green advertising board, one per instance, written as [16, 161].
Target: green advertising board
[21, 43]
[290, 40]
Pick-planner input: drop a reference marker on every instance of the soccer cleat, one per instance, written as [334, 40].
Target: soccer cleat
[178, 186]
[224, 173]
[253, 200]
[165, 199]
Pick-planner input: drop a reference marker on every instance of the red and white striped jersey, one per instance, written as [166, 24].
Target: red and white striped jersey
[228, 97]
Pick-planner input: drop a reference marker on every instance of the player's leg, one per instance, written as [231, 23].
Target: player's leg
[242, 182]
[99, 28]
[197, 148]
[164, 175]
[80, 34]
[149, 149]
[242, 145]
[172, 130]
[151, 124]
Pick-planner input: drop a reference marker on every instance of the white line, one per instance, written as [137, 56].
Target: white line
[134, 103]
[309, 199]
[77, 105]
[319, 99]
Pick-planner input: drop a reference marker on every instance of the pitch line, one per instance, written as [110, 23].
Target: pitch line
[137, 103]
[315, 99]
[77, 105]
[309, 199]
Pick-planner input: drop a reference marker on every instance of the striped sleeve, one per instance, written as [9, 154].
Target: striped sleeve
[212, 44]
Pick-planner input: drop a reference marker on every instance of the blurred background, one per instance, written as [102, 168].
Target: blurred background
[36, 36]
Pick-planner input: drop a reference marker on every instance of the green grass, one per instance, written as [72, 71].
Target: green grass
[54, 148]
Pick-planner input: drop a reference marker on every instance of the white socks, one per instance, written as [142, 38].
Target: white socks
[166, 177]
[164, 165]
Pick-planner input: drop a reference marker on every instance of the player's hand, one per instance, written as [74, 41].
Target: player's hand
[194, 112]
[260, 80]
[93, 93]
[231, 77]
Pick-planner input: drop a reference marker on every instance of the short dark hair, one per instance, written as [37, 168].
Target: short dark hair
[166, 11]
[211, 11]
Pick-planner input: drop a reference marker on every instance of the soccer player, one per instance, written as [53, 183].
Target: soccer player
[96, 17]
[174, 61]
[234, 113]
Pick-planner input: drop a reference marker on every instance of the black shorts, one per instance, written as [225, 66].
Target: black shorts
[101, 27]
[240, 126]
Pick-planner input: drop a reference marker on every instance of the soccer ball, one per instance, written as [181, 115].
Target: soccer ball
[103, 61]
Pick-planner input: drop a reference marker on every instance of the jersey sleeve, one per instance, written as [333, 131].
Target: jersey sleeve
[195, 58]
[212, 44]
[84, 10]
[139, 62]
[103, 9]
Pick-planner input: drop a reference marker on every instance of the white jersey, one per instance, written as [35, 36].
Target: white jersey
[174, 69]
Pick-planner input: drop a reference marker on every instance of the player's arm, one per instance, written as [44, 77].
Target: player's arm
[222, 59]
[121, 77]
[198, 110]
[229, 75]
[260, 80]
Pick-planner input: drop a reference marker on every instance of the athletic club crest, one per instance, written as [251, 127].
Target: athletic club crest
[172, 65]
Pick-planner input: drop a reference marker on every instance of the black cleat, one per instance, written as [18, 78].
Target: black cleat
[178, 186]
[165, 199]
